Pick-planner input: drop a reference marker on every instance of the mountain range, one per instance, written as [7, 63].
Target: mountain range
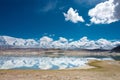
[62, 43]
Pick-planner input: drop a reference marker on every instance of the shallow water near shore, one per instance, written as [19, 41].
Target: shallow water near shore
[45, 63]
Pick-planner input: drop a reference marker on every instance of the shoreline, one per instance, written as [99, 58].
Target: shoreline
[32, 52]
[95, 70]
[105, 70]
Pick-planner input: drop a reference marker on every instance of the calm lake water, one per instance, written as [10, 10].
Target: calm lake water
[45, 63]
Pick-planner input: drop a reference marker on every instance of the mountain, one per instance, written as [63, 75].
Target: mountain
[46, 42]
[116, 49]
[17, 42]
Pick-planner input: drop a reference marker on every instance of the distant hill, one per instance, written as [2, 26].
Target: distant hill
[116, 49]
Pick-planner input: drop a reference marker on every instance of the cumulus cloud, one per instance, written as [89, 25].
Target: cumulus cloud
[117, 9]
[105, 12]
[73, 16]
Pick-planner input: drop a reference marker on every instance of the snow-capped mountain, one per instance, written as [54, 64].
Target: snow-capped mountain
[17, 42]
[61, 43]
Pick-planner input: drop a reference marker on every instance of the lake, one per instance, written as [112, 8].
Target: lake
[45, 63]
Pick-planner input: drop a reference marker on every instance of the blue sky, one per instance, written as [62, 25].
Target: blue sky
[37, 18]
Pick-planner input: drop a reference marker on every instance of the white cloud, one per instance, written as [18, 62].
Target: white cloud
[88, 2]
[49, 5]
[88, 24]
[105, 12]
[73, 16]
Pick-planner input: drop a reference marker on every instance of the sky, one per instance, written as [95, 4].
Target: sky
[71, 19]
